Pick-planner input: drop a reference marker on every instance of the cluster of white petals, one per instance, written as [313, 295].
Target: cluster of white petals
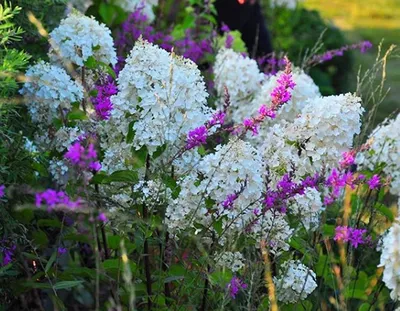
[161, 98]
[65, 137]
[384, 151]
[146, 6]
[234, 169]
[390, 260]
[295, 282]
[316, 139]
[59, 171]
[79, 37]
[241, 76]
[272, 226]
[48, 91]
[233, 261]
[307, 208]
[153, 192]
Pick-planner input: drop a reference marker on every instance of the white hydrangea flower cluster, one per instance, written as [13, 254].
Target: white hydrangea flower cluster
[79, 37]
[234, 168]
[290, 4]
[241, 76]
[65, 137]
[304, 90]
[234, 261]
[307, 208]
[30, 146]
[59, 171]
[153, 192]
[330, 124]
[295, 283]
[146, 6]
[48, 91]
[272, 227]
[162, 94]
[390, 260]
[316, 139]
[384, 149]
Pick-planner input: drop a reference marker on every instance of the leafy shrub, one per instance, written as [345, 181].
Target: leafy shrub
[147, 193]
[296, 31]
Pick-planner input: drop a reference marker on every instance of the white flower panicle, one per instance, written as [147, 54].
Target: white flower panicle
[295, 282]
[146, 6]
[384, 151]
[232, 261]
[48, 90]
[153, 192]
[390, 260]
[162, 94]
[79, 37]
[241, 76]
[328, 125]
[234, 169]
[65, 137]
[307, 208]
[272, 227]
[317, 138]
[59, 171]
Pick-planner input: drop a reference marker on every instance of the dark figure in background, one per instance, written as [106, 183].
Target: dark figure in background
[246, 16]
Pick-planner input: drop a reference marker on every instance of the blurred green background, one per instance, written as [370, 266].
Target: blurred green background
[371, 20]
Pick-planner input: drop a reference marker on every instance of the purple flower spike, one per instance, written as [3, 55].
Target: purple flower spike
[374, 182]
[2, 191]
[355, 236]
[61, 250]
[235, 285]
[102, 217]
[196, 137]
[230, 199]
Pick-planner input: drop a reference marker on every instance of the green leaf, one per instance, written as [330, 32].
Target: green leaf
[122, 176]
[220, 278]
[24, 216]
[139, 157]
[113, 241]
[131, 133]
[50, 262]
[112, 264]
[364, 307]
[76, 114]
[384, 210]
[67, 284]
[91, 63]
[98, 178]
[54, 223]
[159, 151]
[357, 294]
[218, 226]
[328, 230]
[40, 238]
